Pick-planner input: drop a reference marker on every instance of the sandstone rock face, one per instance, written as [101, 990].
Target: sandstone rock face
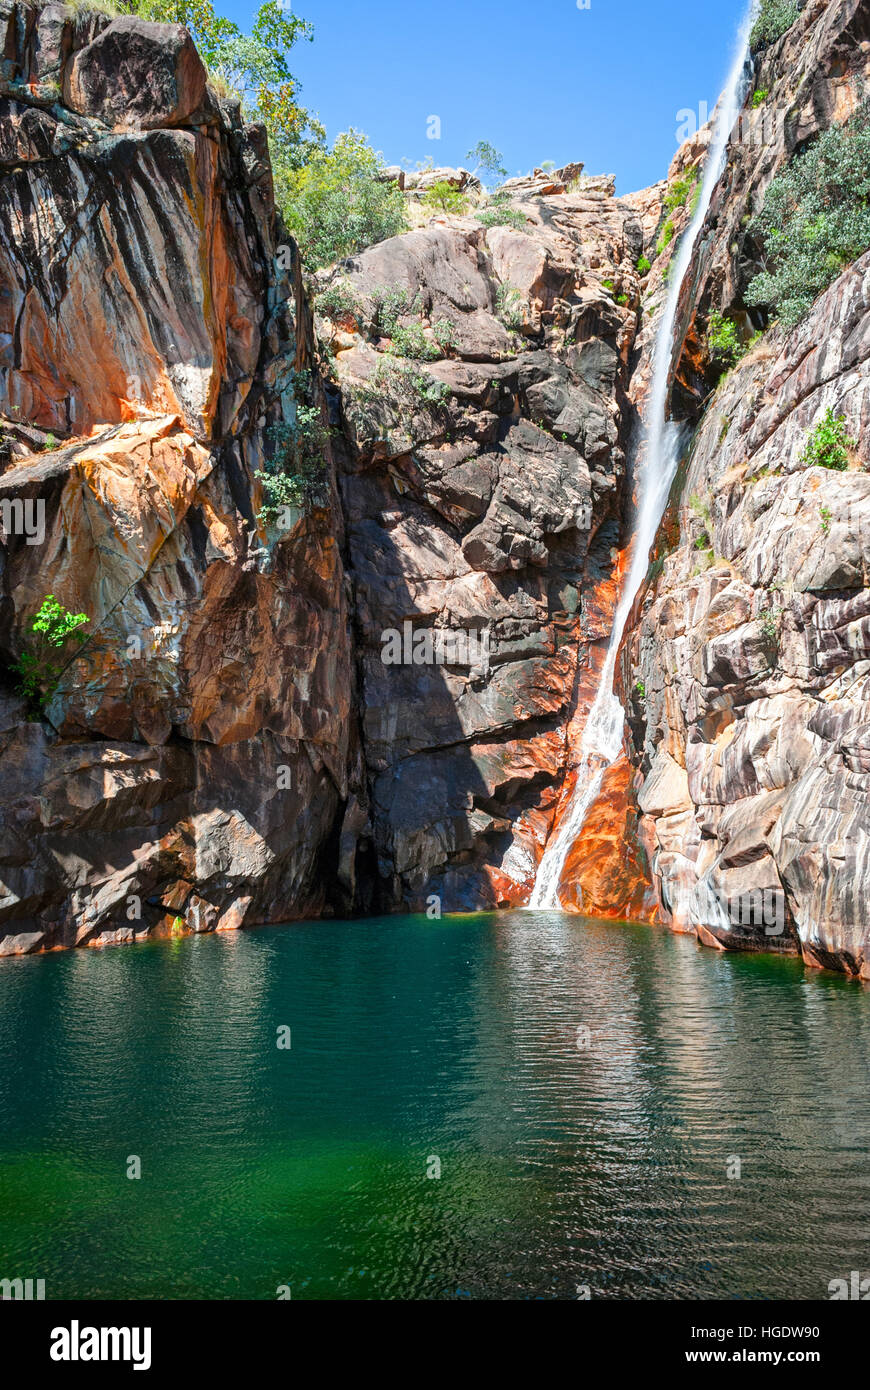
[482, 493]
[751, 649]
[104, 80]
[381, 700]
[754, 652]
[194, 763]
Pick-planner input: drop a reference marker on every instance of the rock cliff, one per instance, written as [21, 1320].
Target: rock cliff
[751, 649]
[194, 759]
[379, 698]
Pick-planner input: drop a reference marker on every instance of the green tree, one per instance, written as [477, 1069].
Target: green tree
[486, 157]
[41, 664]
[443, 197]
[815, 220]
[774, 18]
[335, 204]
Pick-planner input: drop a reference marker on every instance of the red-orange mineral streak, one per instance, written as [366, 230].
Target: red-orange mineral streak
[607, 871]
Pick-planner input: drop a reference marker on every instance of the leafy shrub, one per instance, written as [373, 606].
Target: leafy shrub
[774, 18]
[39, 668]
[825, 519]
[815, 220]
[445, 333]
[723, 341]
[509, 307]
[337, 301]
[828, 444]
[443, 197]
[295, 475]
[666, 236]
[407, 387]
[644, 266]
[640, 690]
[759, 97]
[680, 189]
[389, 304]
[412, 342]
[336, 206]
[770, 620]
[500, 213]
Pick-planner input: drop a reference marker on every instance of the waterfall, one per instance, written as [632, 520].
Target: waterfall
[601, 743]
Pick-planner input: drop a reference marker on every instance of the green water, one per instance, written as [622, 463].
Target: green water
[412, 1041]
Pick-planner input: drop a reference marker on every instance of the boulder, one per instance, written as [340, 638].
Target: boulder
[136, 76]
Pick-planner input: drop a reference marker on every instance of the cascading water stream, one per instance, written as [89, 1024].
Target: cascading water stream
[602, 738]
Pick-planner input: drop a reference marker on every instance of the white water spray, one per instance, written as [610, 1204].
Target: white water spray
[601, 743]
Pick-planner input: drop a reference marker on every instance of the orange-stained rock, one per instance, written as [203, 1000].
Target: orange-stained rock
[606, 873]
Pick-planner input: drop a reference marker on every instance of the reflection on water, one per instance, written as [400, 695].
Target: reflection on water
[585, 1087]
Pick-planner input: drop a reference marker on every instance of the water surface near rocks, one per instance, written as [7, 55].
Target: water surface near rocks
[416, 1040]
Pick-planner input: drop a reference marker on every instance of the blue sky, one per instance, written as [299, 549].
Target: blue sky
[544, 80]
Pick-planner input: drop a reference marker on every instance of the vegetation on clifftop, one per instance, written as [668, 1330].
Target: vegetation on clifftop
[815, 220]
[775, 18]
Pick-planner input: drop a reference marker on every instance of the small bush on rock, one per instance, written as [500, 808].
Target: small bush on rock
[509, 307]
[815, 220]
[500, 213]
[295, 475]
[337, 301]
[723, 341]
[680, 189]
[828, 444]
[443, 197]
[336, 206]
[39, 667]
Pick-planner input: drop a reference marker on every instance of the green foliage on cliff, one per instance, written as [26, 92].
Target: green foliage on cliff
[723, 341]
[770, 622]
[774, 18]
[486, 158]
[815, 220]
[828, 443]
[40, 665]
[295, 476]
[499, 212]
[666, 236]
[443, 197]
[336, 205]
[337, 301]
[679, 191]
[509, 307]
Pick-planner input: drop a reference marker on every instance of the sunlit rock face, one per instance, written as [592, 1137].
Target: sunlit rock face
[381, 704]
[194, 761]
[752, 647]
[495, 512]
[754, 651]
